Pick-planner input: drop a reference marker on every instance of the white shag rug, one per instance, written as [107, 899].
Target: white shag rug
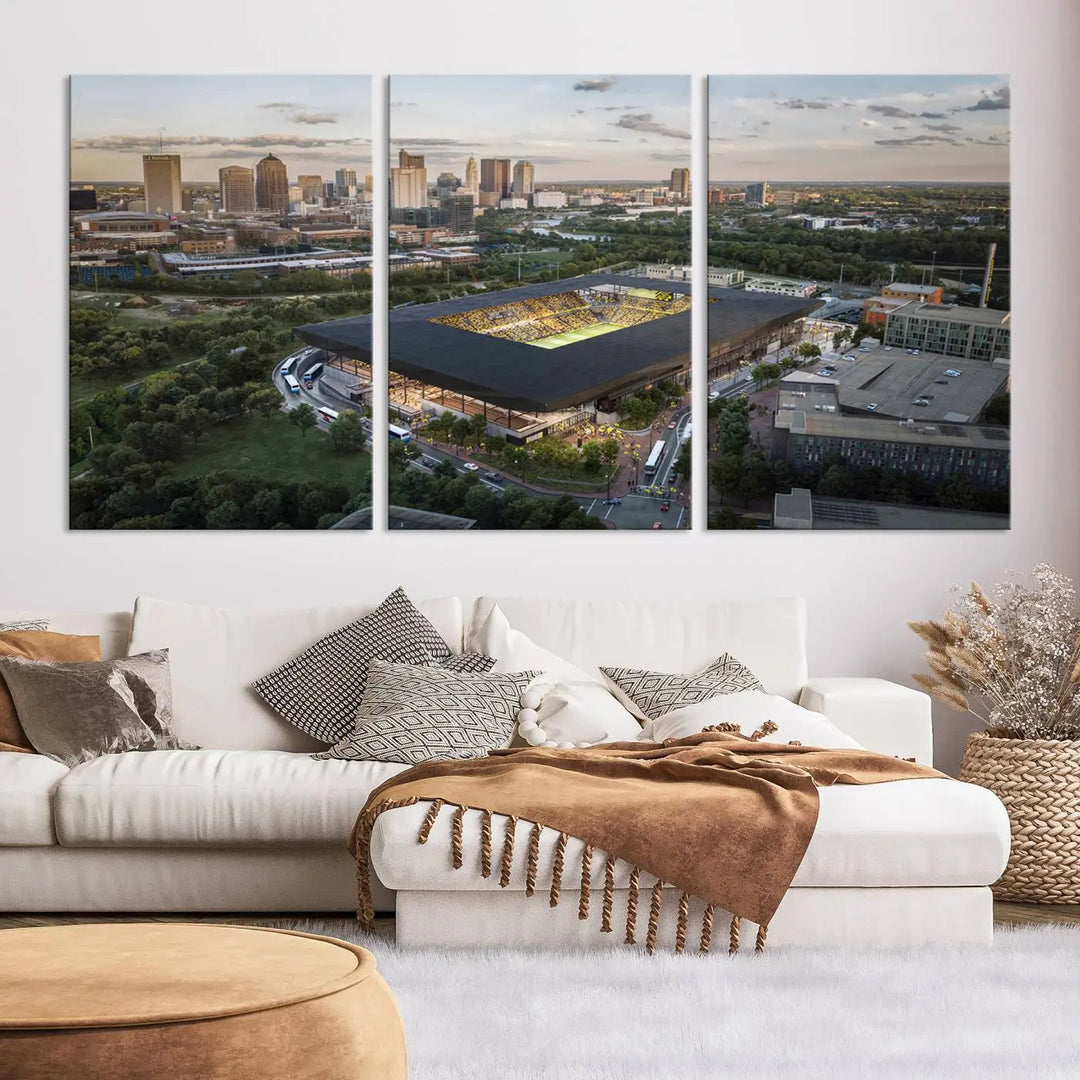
[1011, 1011]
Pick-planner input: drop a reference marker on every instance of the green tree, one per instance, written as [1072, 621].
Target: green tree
[725, 474]
[265, 401]
[346, 432]
[609, 455]
[808, 350]
[734, 426]
[304, 417]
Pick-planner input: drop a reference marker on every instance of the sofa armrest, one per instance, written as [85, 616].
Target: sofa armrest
[883, 716]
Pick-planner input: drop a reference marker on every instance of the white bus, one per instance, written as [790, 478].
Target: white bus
[327, 414]
[312, 374]
[655, 458]
[287, 366]
[292, 384]
[688, 432]
[401, 434]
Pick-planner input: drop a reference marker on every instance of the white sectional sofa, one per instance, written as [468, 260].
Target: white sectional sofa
[251, 823]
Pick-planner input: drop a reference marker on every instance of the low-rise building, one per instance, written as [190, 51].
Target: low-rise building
[549, 200]
[964, 332]
[781, 286]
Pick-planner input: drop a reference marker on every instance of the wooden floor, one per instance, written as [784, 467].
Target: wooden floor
[1005, 914]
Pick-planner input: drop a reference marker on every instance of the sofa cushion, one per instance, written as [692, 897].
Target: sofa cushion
[26, 787]
[237, 798]
[901, 833]
[215, 653]
[768, 636]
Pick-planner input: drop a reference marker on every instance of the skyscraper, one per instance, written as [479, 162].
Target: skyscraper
[345, 182]
[161, 183]
[410, 161]
[408, 187]
[472, 180]
[495, 176]
[680, 183]
[523, 178]
[457, 212]
[311, 186]
[757, 194]
[237, 188]
[271, 185]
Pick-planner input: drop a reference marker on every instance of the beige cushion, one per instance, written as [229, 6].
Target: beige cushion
[234, 798]
[215, 653]
[26, 786]
[768, 636]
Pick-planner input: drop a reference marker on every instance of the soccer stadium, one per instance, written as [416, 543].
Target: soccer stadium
[538, 359]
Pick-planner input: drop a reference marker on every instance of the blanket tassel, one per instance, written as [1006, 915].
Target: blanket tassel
[485, 843]
[654, 917]
[429, 820]
[508, 851]
[534, 856]
[767, 728]
[456, 828]
[706, 929]
[609, 895]
[557, 869]
[733, 944]
[586, 881]
[365, 907]
[684, 918]
[631, 907]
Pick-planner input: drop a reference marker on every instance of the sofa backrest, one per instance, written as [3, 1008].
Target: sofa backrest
[768, 635]
[215, 653]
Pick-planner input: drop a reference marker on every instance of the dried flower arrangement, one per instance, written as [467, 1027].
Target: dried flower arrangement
[1010, 656]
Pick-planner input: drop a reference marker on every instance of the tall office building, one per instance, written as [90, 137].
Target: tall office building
[161, 183]
[237, 188]
[457, 212]
[472, 179]
[523, 179]
[680, 183]
[311, 186]
[757, 194]
[408, 187]
[345, 182]
[369, 183]
[410, 161]
[495, 176]
[271, 185]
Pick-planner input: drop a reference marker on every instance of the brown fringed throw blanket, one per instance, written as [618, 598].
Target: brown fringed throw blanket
[719, 816]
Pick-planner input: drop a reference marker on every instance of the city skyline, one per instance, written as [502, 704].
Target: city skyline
[859, 128]
[316, 124]
[579, 128]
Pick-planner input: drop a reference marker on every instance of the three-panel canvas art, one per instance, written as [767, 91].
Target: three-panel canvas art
[540, 289]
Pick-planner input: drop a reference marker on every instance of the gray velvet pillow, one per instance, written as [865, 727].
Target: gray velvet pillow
[77, 711]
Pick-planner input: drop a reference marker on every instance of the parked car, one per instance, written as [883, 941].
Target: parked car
[613, 502]
[665, 506]
[953, 373]
[657, 525]
[872, 406]
[671, 426]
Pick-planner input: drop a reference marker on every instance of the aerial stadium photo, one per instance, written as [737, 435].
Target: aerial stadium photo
[877, 209]
[208, 217]
[540, 303]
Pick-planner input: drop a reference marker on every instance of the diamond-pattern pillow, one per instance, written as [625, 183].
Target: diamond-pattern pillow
[320, 690]
[414, 714]
[652, 694]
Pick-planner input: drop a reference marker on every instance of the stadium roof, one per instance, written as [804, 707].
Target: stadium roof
[516, 375]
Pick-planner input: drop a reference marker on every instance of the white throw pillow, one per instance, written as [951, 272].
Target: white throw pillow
[750, 709]
[215, 653]
[572, 707]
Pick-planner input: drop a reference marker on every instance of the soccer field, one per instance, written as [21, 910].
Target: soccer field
[568, 338]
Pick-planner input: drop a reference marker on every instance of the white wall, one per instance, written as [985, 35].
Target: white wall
[861, 587]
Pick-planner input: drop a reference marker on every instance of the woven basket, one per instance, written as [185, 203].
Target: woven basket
[1038, 780]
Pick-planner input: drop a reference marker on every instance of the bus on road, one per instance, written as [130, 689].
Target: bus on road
[400, 434]
[327, 414]
[655, 458]
[292, 384]
[312, 374]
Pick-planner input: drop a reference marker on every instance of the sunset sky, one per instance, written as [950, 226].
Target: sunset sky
[315, 124]
[859, 127]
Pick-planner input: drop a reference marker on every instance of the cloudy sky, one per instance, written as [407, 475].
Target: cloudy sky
[587, 127]
[315, 124]
[859, 127]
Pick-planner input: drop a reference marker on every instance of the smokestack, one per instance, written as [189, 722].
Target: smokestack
[988, 273]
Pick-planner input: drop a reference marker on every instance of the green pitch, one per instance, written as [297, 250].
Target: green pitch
[570, 336]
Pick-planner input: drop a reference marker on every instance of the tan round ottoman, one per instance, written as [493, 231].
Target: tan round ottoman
[120, 1001]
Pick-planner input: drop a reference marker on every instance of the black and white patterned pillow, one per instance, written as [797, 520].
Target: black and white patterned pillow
[19, 625]
[414, 714]
[652, 694]
[320, 690]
